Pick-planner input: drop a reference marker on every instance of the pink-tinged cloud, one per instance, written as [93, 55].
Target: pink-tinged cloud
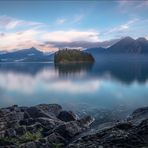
[37, 38]
[71, 35]
[7, 22]
[22, 40]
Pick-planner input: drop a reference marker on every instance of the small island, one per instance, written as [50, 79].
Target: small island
[66, 56]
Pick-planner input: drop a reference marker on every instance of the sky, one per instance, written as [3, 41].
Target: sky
[45, 23]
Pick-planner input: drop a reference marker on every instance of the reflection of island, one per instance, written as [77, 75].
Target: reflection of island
[73, 68]
[124, 70]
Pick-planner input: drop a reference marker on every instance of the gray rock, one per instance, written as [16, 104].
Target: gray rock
[52, 109]
[29, 145]
[10, 133]
[33, 128]
[36, 112]
[20, 130]
[49, 123]
[27, 122]
[66, 116]
[70, 129]
[56, 138]
[2, 134]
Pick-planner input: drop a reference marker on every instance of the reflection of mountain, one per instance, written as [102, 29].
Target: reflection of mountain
[25, 68]
[123, 69]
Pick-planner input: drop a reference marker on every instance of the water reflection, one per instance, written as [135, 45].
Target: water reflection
[25, 68]
[125, 70]
[106, 85]
[73, 69]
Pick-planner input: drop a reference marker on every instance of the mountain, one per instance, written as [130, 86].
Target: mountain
[25, 55]
[126, 45]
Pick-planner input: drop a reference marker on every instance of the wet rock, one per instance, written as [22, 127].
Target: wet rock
[56, 138]
[52, 109]
[29, 145]
[5, 143]
[3, 125]
[2, 134]
[122, 134]
[48, 126]
[86, 121]
[10, 133]
[140, 112]
[20, 130]
[70, 129]
[36, 112]
[14, 116]
[33, 128]
[48, 123]
[66, 116]
[27, 122]
[124, 125]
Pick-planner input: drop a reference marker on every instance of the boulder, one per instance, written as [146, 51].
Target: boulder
[70, 129]
[36, 112]
[48, 123]
[31, 144]
[52, 109]
[20, 130]
[66, 116]
[10, 133]
[140, 112]
[56, 138]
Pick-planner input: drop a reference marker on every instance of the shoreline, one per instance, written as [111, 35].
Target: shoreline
[48, 125]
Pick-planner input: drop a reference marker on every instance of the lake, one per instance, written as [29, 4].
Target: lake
[109, 89]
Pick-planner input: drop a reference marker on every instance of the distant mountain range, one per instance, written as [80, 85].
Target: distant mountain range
[126, 45]
[25, 55]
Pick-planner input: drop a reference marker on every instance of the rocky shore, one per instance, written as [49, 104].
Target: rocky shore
[49, 126]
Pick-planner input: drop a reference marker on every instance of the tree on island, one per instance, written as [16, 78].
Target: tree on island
[72, 56]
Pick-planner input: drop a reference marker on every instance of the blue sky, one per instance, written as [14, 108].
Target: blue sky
[25, 23]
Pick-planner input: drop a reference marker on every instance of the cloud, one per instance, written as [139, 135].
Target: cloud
[37, 38]
[142, 4]
[124, 27]
[74, 19]
[135, 6]
[78, 18]
[42, 80]
[22, 40]
[60, 21]
[7, 22]
[71, 35]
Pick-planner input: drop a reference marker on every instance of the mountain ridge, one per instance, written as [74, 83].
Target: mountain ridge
[25, 55]
[126, 45]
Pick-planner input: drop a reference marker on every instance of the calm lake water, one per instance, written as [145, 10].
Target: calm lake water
[109, 89]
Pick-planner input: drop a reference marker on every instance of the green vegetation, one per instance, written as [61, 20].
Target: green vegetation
[30, 137]
[60, 145]
[27, 137]
[72, 56]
